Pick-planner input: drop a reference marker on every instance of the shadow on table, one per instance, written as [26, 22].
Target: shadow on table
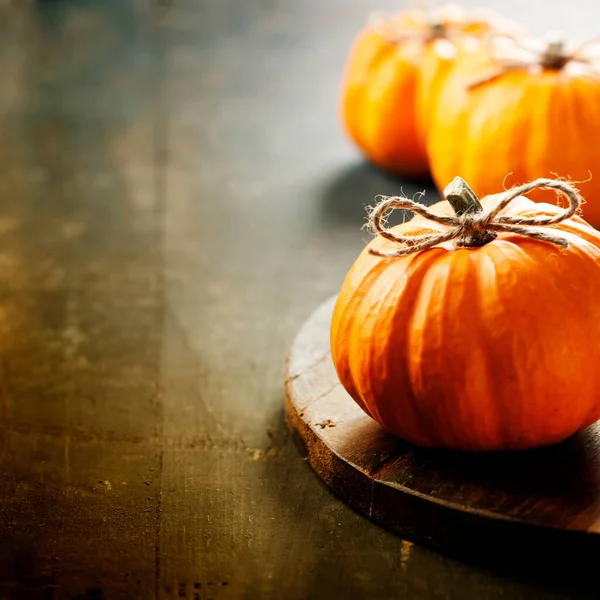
[552, 565]
[349, 191]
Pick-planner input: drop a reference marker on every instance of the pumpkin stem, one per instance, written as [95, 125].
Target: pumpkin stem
[464, 200]
[554, 56]
[437, 29]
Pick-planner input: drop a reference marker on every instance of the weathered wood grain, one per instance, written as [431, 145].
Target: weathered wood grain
[80, 302]
[176, 195]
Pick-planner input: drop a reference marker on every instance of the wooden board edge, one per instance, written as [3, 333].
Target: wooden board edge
[468, 536]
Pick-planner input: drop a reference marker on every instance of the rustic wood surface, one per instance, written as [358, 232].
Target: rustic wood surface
[176, 198]
[466, 504]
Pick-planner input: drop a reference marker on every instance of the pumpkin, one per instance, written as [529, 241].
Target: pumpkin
[479, 330]
[526, 108]
[391, 77]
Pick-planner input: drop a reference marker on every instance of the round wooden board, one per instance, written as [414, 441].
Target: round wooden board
[458, 502]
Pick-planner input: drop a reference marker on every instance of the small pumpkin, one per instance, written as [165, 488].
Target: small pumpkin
[391, 77]
[476, 331]
[526, 108]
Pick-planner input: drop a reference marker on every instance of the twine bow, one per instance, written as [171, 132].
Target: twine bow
[446, 22]
[513, 53]
[475, 226]
[386, 26]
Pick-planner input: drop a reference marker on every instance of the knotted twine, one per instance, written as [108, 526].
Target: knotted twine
[549, 55]
[385, 25]
[445, 22]
[464, 227]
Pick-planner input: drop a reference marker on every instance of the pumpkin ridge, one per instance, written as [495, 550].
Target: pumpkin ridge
[534, 292]
[542, 120]
[484, 413]
[589, 257]
[425, 338]
[346, 309]
[473, 363]
[520, 122]
[403, 72]
[509, 251]
[486, 288]
[372, 373]
[480, 366]
[353, 94]
[418, 339]
[572, 125]
[585, 108]
[506, 107]
[356, 349]
[401, 331]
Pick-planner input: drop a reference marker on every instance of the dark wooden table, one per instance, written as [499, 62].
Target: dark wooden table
[176, 197]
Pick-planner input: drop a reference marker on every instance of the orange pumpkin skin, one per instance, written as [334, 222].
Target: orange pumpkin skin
[528, 124]
[378, 104]
[489, 348]
[388, 92]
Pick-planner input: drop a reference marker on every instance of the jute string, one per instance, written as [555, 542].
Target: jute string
[385, 26]
[464, 226]
[444, 22]
[552, 56]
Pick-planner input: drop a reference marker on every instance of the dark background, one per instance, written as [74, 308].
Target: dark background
[176, 196]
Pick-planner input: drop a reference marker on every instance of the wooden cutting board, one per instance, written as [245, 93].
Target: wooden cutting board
[460, 502]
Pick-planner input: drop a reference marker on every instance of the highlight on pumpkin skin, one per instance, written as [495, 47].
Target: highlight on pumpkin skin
[393, 71]
[475, 347]
[516, 108]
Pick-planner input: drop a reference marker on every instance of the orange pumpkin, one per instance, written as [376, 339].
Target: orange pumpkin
[488, 339]
[391, 78]
[531, 111]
